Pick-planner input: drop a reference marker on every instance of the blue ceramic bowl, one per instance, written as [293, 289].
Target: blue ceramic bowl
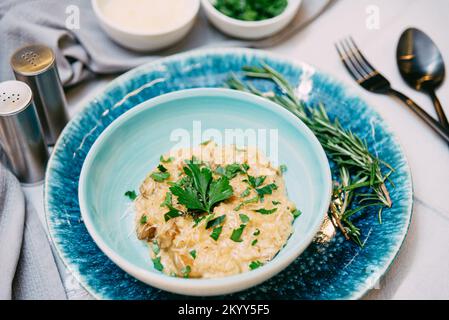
[131, 146]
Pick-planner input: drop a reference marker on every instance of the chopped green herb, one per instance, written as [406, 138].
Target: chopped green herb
[245, 167]
[186, 271]
[256, 182]
[198, 220]
[256, 233]
[173, 213]
[252, 200]
[220, 170]
[160, 176]
[216, 233]
[275, 203]
[233, 170]
[155, 247]
[237, 233]
[168, 160]
[255, 264]
[254, 242]
[245, 193]
[202, 192]
[157, 264]
[251, 10]
[244, 218]
[193, 254]
[215, 222]
[296, 213]
[205, 143]
[283, 168]
[143, 219]
[132, 195]
[266, 211]
[268, 189]
[168, 200]
[162, 168]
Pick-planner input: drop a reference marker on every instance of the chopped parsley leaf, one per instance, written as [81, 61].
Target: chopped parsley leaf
[186, 271]
[160, 176]
[255, 264]
[215, 222]
[198, 220]
[283, 168]
[254, 242]
[168, 200]
[256, 182]
[275, 203]
[233, 170]
[205, 143]
[162, 168]
[143, 219]
[268, 189]
[173, 213]
[193, 254]
[132, 195]
[266, 211]
[157, 264]
[252, 200]
[216, 233]
[155, 247]
[256, 233]
[168, 160]
[244, 218]
[245, 193]
[296, 213]
[220, 170]
[237, 233]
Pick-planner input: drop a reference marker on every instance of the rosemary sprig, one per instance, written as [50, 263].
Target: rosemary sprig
[358, 168]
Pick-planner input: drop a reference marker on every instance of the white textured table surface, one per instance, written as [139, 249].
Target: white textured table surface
[421, 270]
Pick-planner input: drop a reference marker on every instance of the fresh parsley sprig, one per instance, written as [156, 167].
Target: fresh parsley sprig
[201, 192]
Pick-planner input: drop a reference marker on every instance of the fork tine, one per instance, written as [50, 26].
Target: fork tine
[355, 60]
[364, 62]
[348, 64]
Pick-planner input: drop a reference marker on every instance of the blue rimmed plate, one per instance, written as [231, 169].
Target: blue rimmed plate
[337, 269]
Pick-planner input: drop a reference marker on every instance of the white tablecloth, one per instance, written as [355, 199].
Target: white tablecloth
[421, 270]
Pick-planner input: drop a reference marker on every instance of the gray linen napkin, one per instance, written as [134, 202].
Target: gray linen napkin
[82, 52]
[27, 266]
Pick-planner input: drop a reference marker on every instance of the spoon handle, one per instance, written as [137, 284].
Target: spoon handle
[435, 125]
[439, 109]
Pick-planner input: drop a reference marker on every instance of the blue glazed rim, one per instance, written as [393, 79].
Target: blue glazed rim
[357, 293]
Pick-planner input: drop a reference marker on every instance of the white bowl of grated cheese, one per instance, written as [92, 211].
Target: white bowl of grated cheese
[146, 25]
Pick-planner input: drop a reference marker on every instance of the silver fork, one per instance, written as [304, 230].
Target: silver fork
[370, 79]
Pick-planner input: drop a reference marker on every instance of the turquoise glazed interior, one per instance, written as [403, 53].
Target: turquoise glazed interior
[130, 148]
[337, 269]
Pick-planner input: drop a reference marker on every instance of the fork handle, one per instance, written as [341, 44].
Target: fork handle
[435, 125]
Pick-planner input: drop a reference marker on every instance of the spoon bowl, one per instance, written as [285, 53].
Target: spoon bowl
[422, 66]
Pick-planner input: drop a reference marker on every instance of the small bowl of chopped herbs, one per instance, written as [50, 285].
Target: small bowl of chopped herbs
[251, 19]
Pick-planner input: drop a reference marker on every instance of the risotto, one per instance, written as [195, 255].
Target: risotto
[213, 211]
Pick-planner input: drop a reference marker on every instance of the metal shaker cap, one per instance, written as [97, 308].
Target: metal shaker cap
[35, 65]
[32, 60]
[14, 97]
